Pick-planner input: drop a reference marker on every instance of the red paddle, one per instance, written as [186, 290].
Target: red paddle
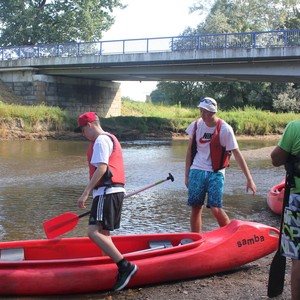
[68, 221]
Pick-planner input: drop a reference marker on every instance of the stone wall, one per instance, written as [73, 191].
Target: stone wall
[74, 95]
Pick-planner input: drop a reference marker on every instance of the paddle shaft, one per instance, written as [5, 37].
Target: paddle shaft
[170, 177]
[277, 269]
[67, 221]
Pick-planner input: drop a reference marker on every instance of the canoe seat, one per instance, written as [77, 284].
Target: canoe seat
[186, 241]
[166, 243]
[160, 244]
[12, 254]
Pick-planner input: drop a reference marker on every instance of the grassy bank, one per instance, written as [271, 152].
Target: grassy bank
[148, 118]
[249, 121]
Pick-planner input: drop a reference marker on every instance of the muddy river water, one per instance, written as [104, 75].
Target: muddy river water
[42, 179]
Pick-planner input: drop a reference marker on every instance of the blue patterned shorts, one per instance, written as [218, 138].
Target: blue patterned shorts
[202, 182]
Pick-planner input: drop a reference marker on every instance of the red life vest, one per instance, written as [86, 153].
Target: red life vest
[114, 175]
[219, 156]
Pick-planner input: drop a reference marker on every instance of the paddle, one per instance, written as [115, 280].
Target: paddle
[277, 269]
[67, 221]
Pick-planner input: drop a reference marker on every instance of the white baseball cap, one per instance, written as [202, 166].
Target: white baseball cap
[209, 104]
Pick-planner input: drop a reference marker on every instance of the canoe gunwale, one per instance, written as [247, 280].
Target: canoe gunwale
[101, 260]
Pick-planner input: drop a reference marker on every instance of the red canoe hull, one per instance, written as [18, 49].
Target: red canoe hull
[75, 265]
[275, 197]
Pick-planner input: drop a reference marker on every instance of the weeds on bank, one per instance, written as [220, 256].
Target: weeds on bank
[32, 115]
[147, 117]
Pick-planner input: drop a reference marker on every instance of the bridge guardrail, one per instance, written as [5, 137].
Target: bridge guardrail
[263, 39]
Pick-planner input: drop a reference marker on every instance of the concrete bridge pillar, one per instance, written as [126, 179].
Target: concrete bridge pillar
[74, 95]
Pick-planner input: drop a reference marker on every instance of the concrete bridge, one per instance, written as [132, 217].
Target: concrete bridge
[81, 76]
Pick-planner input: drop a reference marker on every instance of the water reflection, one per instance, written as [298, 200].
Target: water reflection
[42, 179]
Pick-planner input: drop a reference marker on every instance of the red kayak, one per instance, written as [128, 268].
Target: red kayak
[76, 265]
[275, 197]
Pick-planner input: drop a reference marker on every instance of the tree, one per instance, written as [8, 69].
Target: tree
[29, 22]
[186, 93]
[227, 16]
[288, 100]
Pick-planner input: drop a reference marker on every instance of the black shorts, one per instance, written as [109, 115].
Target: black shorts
[106, 211]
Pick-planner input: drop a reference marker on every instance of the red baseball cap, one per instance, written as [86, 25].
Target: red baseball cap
[86, 118]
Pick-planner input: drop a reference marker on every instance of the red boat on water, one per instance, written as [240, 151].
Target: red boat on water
[76, 265]
[275, 197]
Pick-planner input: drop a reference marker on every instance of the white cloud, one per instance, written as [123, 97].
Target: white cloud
[150, 18]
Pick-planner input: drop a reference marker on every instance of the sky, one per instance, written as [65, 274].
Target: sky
[150, 18]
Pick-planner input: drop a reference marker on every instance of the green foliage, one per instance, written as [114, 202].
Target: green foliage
[181, 92]
[228, 16]
[147, 117]
[28, 22]
[247, 121]
[288, 100]
[135, 108]
[252, 121]
[31, 115]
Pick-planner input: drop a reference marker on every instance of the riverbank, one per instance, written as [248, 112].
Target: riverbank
[15, 130]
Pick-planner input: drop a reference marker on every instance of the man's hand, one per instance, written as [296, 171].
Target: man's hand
[81, 201]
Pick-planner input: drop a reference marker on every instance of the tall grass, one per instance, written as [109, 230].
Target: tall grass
[147, 117]
[138, 109]
[248, 121]
[32, 115]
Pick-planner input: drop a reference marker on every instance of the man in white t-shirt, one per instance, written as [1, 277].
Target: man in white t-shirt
[107, 179]
[201, 177]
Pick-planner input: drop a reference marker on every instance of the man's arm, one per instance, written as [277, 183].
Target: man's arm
[279, 156]
[244, 167]
[92, 183]
[188, 161]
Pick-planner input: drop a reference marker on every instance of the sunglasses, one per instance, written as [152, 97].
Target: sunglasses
[207, 101]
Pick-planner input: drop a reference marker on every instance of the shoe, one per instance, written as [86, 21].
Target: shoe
[124, 276]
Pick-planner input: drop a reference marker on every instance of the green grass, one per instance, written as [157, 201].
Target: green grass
[147, 117]
[32, 115]
[138, 109]
[249, 121]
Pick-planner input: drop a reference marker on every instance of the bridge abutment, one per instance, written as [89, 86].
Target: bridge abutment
[74, 95]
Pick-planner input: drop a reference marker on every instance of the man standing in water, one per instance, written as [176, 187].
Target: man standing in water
[107, 179]
[211, 142]
[287, 153]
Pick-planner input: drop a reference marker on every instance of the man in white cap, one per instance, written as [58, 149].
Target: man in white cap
[211, 142]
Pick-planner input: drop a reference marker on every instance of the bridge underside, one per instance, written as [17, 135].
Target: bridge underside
[245, 71]
[255, 65]
[79, 83]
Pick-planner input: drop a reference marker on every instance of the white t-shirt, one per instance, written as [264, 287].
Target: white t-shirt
[202, 160]
[102, 150]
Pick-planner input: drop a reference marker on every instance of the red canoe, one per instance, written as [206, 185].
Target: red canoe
[75, 265]
[275, 197]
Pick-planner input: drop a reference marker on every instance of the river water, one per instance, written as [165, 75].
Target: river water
[43, 179]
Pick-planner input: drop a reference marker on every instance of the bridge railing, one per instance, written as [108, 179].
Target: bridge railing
[263, 39]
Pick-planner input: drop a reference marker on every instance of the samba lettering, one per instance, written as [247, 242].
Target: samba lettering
[251, 241]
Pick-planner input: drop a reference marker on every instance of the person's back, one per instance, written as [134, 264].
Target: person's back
[287, 153]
